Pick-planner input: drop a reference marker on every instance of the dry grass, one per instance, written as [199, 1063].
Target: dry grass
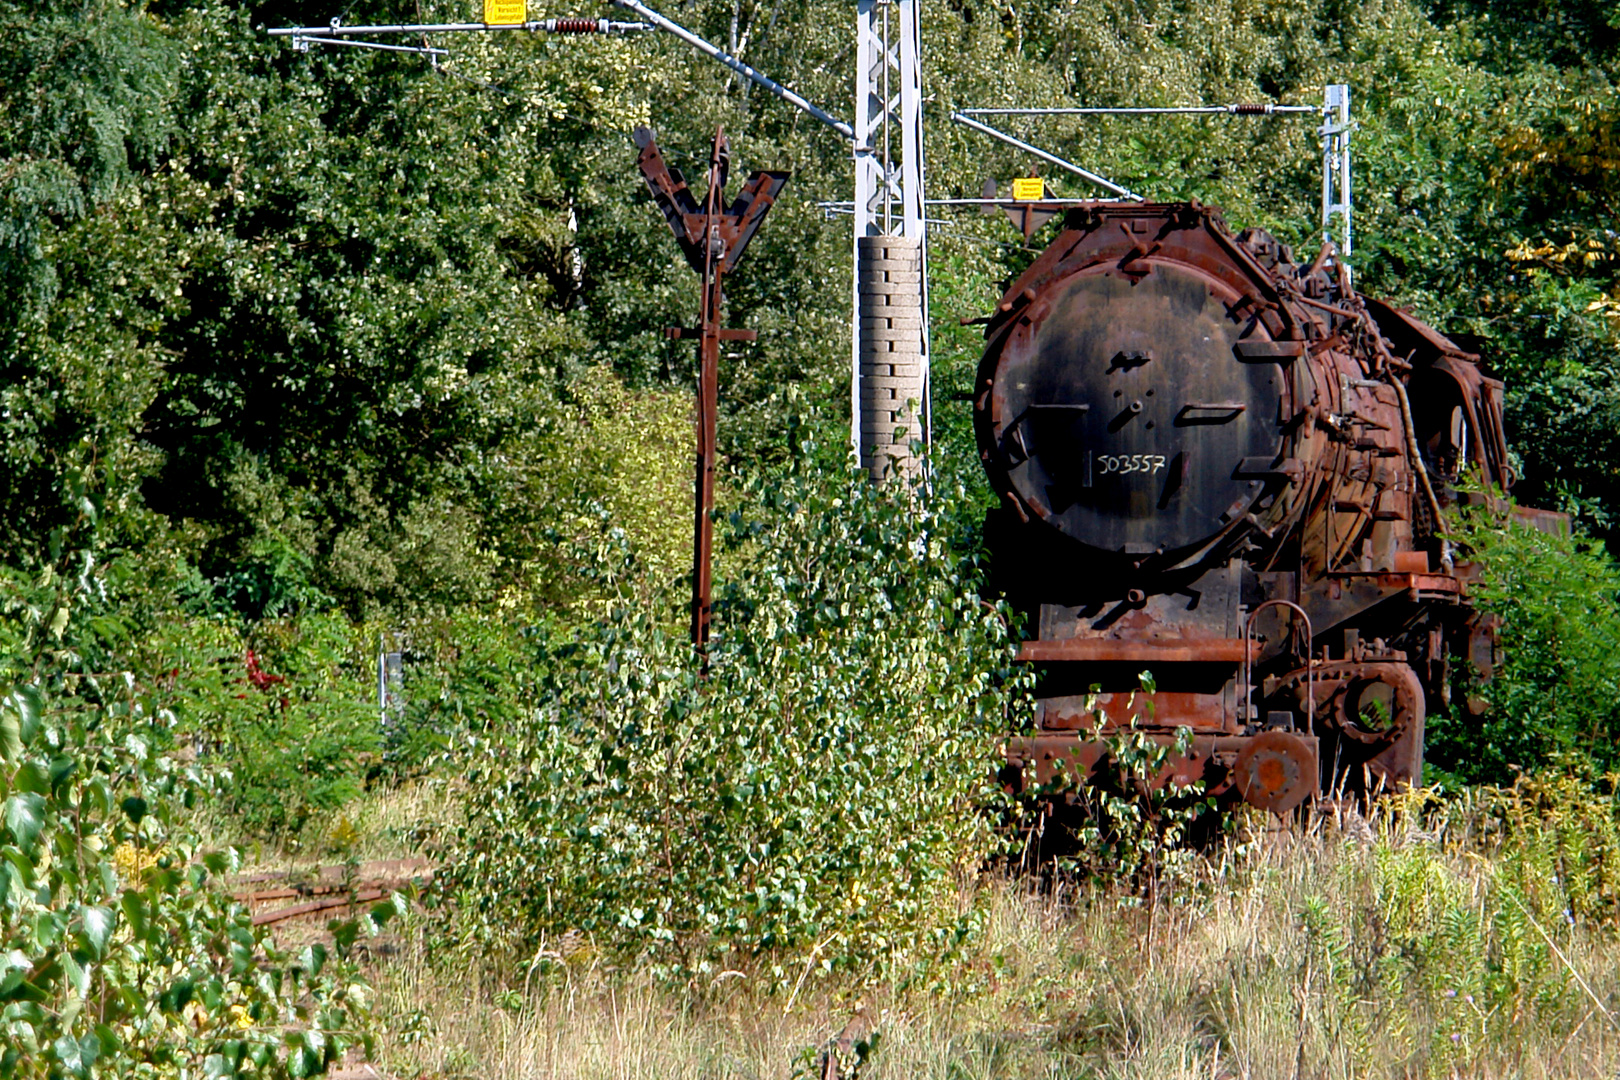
[1231, 976]
[386, 823]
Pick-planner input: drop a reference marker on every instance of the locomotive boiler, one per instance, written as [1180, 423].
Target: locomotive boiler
[1229, 469]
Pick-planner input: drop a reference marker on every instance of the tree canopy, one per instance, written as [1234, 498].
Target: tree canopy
[340, 328]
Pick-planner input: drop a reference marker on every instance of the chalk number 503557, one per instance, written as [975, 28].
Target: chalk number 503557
[1130, 463]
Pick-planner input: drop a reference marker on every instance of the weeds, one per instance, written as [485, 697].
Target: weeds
[1404, 945]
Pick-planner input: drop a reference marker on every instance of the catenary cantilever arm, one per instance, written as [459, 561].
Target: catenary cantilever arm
[986, 129]
[738, 66]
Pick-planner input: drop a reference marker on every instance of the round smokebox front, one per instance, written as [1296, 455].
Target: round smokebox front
[1120, 414]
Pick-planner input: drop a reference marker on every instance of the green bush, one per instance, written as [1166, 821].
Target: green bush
[1121, 826]
[121, 954]
[815, 803]
[304, 745]
[1558, 689]
[285, 714]
[464, 675]
[1554, 837]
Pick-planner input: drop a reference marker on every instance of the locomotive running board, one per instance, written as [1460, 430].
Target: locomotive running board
[1113, 650]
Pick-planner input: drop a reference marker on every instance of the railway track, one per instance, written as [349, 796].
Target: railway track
[276, 896]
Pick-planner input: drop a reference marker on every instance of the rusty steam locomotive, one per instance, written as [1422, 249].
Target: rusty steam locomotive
[1229, 469]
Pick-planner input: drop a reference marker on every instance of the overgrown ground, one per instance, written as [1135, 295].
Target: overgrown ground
[1444, 944]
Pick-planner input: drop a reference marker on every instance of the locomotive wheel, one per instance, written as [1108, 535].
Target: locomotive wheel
[1276, 771]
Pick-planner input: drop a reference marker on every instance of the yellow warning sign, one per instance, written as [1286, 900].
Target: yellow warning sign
[505, 12]
[1029, 189]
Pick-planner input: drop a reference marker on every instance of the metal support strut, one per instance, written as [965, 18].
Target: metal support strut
[1336, 129]
[1335, 133]
[725, 58]
[336, 29]
[1248, 662]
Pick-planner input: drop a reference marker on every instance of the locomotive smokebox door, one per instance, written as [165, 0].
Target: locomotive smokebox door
[1123, 413]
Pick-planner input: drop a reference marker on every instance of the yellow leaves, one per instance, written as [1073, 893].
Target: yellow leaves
[1606, 306]
[133, 862]
[1579, 259]
[1589, 147]
[1569, 257]
[343, 835]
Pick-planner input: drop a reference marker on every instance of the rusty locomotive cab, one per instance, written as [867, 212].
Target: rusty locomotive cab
[1228, 468]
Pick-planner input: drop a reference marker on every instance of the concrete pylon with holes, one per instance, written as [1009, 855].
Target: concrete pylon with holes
[889, 395]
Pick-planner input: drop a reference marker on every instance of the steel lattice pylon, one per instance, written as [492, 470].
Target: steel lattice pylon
[889, 387]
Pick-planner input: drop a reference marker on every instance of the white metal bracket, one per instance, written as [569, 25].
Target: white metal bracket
[1336, 129]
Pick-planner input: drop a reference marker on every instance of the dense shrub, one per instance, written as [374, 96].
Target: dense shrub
[816, 800]
[121, 954]
[1558, 688]
[284, 715]
[309, 731]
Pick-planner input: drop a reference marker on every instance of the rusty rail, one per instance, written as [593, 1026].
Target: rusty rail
[329, 888]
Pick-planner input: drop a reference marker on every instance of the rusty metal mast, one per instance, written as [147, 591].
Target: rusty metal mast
[889, 292]
[713, 240]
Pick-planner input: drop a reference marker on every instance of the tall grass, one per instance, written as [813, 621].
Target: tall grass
[1419, 944]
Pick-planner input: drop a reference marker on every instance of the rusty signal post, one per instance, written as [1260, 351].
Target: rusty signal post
[713, 238]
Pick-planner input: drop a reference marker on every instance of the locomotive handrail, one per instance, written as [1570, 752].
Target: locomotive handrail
[1310, 672]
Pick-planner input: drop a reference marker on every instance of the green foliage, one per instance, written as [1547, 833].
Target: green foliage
[123, 953]
[1558, 688]
[306, 730]
[1555, 838]
[463, 676]
[1123, 827]
[814, 802]
[337, 330]
[1531, 33]
[1426, 959]
[1450, 966]
[86, 90]
[369, 329]
[282, 717]
[636, 492]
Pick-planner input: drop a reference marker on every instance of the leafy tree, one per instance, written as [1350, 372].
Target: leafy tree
[1535, 33]
[85, 111]
[1557, 690]
[811, 804]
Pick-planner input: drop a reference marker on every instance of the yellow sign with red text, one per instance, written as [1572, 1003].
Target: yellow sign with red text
[505, 12]
[1029, 189]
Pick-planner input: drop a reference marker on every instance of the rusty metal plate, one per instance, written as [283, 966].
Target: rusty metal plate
[1121, 413]
[1113, 650]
